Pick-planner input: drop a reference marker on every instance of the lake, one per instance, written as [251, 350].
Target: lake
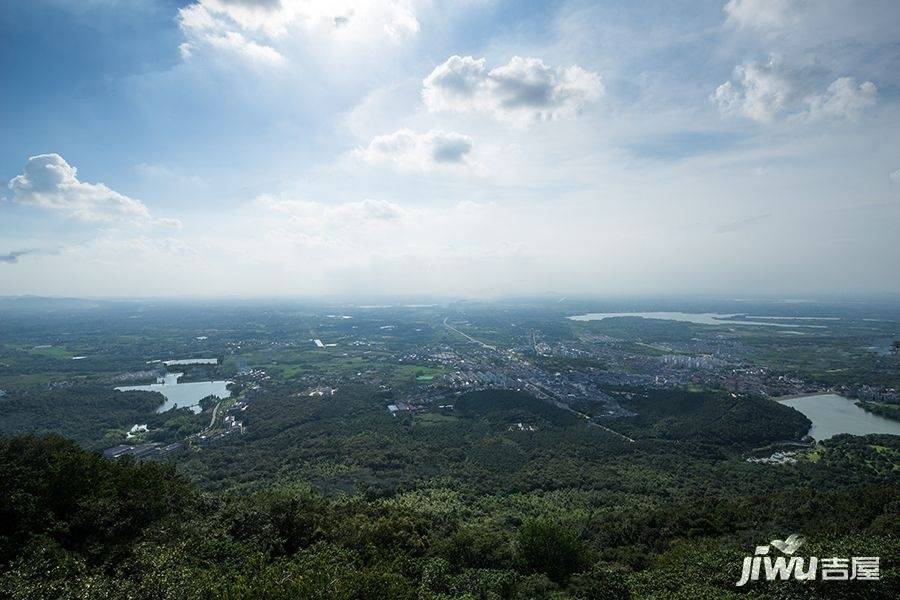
[832, 414]
[182, 394]
[700, 318]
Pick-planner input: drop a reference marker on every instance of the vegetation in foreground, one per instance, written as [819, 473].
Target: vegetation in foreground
[75, 525]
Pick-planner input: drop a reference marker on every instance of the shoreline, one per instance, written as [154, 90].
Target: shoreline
[805, 395]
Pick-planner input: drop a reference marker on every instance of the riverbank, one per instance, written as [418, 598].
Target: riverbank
[804, 395]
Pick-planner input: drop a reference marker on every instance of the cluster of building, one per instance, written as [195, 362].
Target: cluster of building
[871, 393]
[483, 367]
[400, 407]
[136, 431]
[231, 419]
[782, 457]
[230, 426]
[232, 422]
[477, 379]
[320, 391]
[686, 361]
[717, 362]
[583, 370]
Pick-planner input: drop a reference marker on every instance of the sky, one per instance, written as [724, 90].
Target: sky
[474, 148]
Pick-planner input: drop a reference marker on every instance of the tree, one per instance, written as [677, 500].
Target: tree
[600, 584]
[549, 548]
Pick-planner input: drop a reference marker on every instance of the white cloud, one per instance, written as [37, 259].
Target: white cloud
[169, 222]
[322, 217]
[757, 91]
[206, 29]
[408, 149]
[523, 90]
[337, 238]
[50, 183]
[842, 100]
[761, 14]
[233, 41]
[765, 92]
[839, 31]
[115, 246]
[262, 31]
[460, 82]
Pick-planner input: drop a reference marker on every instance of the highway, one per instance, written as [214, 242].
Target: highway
[467, 336]
[545, 394]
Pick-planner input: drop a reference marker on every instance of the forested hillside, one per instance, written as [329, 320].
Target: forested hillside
[74, 525]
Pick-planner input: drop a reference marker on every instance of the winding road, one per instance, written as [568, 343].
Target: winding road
[212, 421]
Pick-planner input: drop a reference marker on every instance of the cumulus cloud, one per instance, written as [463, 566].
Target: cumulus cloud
[50, 183]
[764, 92]
[842, 100]
[757, 91]
[261, 30]
[524, 89]
[205, 30]
[408, 149]
[761, 14]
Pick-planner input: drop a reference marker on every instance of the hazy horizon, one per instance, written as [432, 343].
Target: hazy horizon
[487, 149]
[568, 302]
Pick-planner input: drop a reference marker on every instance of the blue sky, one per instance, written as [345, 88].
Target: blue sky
[303, 147]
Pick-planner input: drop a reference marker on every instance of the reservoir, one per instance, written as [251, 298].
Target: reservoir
[832, 414]
[700, 318]
[182, 394]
